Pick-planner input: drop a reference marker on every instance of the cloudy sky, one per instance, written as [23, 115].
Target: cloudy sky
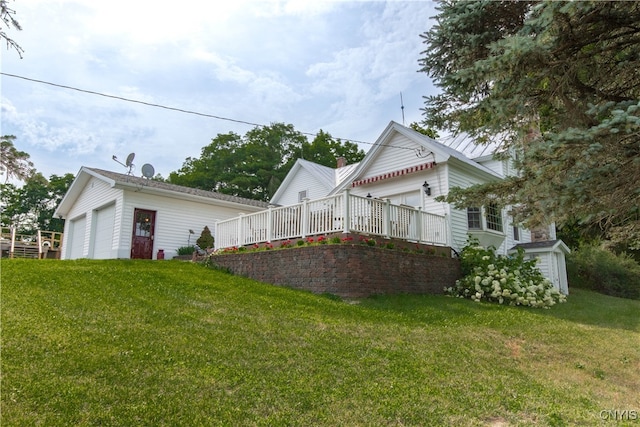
[339, 66]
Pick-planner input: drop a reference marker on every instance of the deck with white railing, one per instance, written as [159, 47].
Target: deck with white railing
[38, 245]
[344, 213]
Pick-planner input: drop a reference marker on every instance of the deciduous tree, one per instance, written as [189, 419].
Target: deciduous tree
[13, 162]
[254, 166]
[31, 207]
[7, 21]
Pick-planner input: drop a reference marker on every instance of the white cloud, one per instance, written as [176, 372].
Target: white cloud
[333, 65]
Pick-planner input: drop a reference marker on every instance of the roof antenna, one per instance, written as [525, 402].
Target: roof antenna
[402, 108]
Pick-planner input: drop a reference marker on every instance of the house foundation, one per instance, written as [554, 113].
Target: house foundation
[346, 270]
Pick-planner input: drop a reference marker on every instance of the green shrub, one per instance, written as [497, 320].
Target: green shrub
[206, 239]
[594, 268]
[506, 280]
[186, 250]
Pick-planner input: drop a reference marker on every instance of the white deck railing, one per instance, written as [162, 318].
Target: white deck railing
[27, 244]
[345, 213]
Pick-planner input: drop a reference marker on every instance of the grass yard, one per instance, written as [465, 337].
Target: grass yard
[127, 343]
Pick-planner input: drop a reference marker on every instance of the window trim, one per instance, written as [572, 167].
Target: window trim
[474, 216]
[493, 217]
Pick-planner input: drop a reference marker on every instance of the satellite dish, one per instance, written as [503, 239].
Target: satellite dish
[147, 170]
[130, 159]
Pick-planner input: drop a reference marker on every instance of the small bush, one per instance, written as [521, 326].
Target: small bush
[206, 239]
[596, 269]
[186, 250]
[506, 280]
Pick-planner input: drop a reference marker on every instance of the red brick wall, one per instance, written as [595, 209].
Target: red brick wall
[350, 271]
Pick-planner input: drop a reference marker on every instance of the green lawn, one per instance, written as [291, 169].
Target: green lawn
[176, 344]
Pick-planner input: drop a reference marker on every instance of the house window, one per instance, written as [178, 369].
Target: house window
[494, 217]
[516, 233]
[474, 220]
[412, 199]
[302, 195]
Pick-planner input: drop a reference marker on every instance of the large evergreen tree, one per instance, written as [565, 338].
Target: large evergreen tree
[557, 83]
[253, 166]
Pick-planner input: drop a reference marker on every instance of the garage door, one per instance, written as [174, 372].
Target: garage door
[77, 229]
[103, 238]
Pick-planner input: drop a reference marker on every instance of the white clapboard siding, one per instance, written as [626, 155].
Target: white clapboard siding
[398, 154]
[174, 219]
[95, 194]
[459, 225]
[304, 181]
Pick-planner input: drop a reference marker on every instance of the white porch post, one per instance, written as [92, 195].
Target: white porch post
[419, 219]
[386, 218]
[346, 213]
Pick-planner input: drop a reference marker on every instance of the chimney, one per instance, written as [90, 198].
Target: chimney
[341, 161]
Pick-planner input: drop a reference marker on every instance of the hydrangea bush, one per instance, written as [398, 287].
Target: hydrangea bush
[503, 279]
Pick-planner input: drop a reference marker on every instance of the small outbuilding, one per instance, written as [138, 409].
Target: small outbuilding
[551, 260]
[114, 215]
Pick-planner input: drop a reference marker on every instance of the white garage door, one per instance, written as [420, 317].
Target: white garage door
[77, 229]
[103, 238]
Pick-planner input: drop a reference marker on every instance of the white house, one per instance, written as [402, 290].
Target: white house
[411, 169]
[114, 215]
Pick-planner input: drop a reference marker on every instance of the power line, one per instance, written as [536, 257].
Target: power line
[181, 110]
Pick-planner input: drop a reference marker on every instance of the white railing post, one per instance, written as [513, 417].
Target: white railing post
[13, 242]
[269, 235]
[346, 213]
[216, 234]
[419, 219]
[39, 242]
[241, 230]
[304, 227]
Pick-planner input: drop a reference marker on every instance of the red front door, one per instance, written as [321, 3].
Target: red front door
[142, 240]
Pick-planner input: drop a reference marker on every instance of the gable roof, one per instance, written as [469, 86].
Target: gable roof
[542, 246]
[441, 153]
[323, 174]
[134, 183]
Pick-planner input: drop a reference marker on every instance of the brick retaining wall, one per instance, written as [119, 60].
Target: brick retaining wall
[350, 271]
